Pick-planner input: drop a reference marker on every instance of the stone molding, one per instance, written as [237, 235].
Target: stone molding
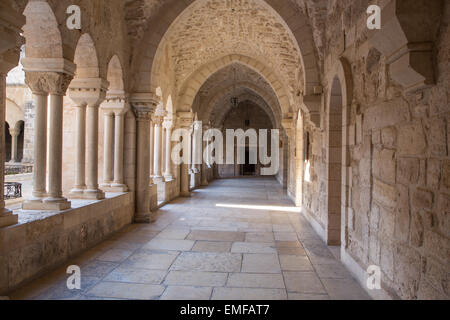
[407, 36]
[311, 106]
[91, 91]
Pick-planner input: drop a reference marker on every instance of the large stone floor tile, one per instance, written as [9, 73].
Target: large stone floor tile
[344, 289]
[303, 282]
[173, 233]
[256, 280]
[334, 271]
[120, 290]
[206, 261]
[253, 247]
[196, 278]
[248, 294]
[170, 245]
[151, 259]
[132, 275]
[115, 255]
[307, 296]
[216, 235]
[261, 263]
[212, 246]
[259, 237]
[295, 263]
[187, 293]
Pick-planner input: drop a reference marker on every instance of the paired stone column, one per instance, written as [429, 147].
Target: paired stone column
[168, 124]
[14, 132]
[87, 94]
[115, 108]
[54, 83]
[9, 58]
[143, 105]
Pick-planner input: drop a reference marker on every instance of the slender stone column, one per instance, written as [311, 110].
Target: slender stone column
[157, 152]
[92, 191]
[152, 144]
[108, 149]
[55, 144]
[80, 159]
[40, 146]
[14, 132]
[118, 150]
[168, 124]
[143, 105]
[204, 165]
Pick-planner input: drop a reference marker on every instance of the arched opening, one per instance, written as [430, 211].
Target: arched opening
[334, 162]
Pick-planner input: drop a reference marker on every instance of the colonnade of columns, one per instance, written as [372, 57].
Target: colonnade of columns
[88, 94]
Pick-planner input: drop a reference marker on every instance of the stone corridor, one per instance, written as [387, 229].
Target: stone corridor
[235, 239]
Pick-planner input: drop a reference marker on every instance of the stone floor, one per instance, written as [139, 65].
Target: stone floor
[236, 239]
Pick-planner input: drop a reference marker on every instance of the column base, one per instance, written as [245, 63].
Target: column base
[145, 218]
[118, 187]
[168, 177]
[96, 194]
[48, 204]
[7, 218]
[205, 183]
[76, 193]
[185, 194]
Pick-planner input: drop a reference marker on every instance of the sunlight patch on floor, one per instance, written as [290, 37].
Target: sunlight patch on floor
[256, 207]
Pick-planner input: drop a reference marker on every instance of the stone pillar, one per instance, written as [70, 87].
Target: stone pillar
[80, 158]
[157, 177]
[204, 170]
[40, 146]
[152, 144]
[143, 105]
[118, 150]
[168, 124]
[14, 132]
[92, 191]
[58, 87]
[10, 42]
[108, 170]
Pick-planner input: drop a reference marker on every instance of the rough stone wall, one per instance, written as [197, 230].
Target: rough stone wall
[399, 163]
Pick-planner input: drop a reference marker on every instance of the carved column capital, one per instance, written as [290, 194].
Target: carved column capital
[48, 82]
[143, 105]
[184, 120]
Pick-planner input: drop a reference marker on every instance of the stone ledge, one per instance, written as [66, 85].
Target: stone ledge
[43, 240]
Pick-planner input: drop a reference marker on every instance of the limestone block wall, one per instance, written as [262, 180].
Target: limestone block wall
[398, 170]
[31, 248]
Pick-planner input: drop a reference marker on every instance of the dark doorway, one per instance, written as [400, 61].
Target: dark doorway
[249, 169]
